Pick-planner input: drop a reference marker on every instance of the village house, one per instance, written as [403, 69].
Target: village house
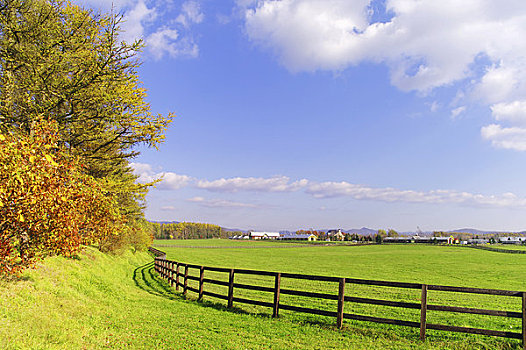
[335, 235]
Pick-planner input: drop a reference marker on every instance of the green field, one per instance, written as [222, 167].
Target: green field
[445, 265]
[103, 301]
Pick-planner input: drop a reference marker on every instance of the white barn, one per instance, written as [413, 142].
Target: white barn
[264, 235]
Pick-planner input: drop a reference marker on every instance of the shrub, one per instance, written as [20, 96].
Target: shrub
[47, 205]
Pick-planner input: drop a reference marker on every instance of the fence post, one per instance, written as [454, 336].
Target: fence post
[341, 298]
[201, 276]
[171, 273]
[524, 320]
[423, 312]
[177, 277]
[231, 288]
[185, 285]
[162, 268]
[277, 289]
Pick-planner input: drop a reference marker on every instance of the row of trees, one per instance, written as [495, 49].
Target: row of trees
[379, 236]
[186, 230]
[72, 112]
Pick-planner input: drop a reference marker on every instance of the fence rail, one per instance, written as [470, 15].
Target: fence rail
[173, 272]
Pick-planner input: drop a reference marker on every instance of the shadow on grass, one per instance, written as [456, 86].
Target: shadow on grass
[148, 280]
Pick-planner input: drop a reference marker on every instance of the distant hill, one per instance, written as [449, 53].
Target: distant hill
[364, 231]
[480, 232]
[164, 222]
[226, 229]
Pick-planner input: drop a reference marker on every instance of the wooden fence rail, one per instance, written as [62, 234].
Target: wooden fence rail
[166, 270]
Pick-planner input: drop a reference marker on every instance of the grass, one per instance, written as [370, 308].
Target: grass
[446, 265]
[103, 301]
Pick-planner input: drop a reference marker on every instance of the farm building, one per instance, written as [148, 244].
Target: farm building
[398, 239]
[512, 240]
[264, 235]
[419, 239]
[335, 235]
[478, 241]
[297, 237]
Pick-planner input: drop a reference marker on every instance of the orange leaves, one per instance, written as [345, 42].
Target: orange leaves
[47, 206]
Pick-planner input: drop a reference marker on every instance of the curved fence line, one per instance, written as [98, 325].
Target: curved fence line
[177, 273]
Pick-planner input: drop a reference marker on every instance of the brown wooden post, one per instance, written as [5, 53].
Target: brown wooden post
[162, 268]
[277, 289]
[171, 273]
[177, 277]
[524, 320]
[185, 283]
[201, 276]
[231, 288]
[423, 312]
[341, 297]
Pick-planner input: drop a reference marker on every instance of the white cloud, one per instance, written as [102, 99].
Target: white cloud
[220, 203]
[173, 37]
[256, 184]
[168, 208]
[425, 43]
[191, 13]
[281, 184]
[508, 138]
[169, 180]
[514, 112]
[134, 20]
[173, 181]
[457, 111]
[167, 41]
[362, 192]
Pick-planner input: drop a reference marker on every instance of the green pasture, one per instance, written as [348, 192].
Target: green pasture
[100, 301]
[429, 264]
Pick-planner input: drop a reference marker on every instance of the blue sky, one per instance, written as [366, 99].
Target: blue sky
[335, 113]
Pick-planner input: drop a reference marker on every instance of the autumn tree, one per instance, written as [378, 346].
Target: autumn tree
[65, 64]
[48, 205]
[392, 233]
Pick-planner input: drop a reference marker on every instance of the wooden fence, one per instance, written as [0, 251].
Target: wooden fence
[177, 274]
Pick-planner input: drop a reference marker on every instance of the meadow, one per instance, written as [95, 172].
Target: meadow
[429, 264]
[99, 301]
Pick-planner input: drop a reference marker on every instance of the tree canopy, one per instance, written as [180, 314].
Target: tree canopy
[65, 72]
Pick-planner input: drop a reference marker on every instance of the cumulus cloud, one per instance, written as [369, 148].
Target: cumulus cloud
[141, 18]
[330, 189]
[168, 180]
[166, 41]
[514, 112]
[508, 138]
[191, 13]
[362, 192]
[220, 203]
[134, 21]
[256, 184]
[426, 43]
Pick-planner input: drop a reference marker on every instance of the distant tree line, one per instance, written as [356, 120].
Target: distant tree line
[186, 230]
